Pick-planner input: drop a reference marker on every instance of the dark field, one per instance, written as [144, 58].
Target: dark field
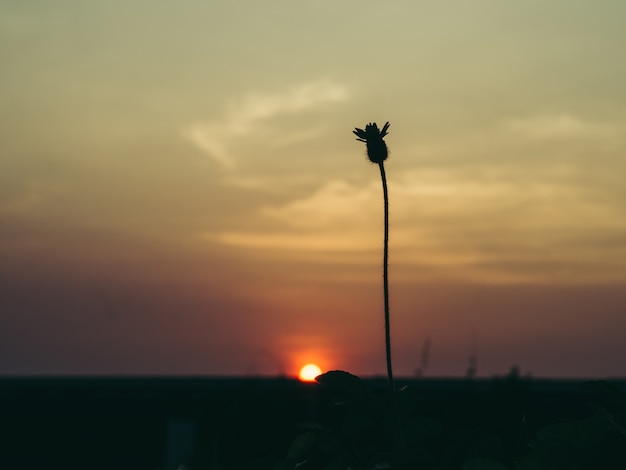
[159, 423]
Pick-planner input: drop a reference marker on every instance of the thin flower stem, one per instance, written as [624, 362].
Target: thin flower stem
[386, 279]
[392, 386]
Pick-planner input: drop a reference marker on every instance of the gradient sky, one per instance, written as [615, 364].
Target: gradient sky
[181, 193]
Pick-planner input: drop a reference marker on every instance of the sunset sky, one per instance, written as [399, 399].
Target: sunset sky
[181, 192]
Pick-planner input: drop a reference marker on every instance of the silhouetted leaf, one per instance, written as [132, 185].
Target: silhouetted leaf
[339, 379]
[344, 383]
[301, 446]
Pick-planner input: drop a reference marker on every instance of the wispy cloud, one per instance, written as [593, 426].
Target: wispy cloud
[562, 126]
[488, 231]
[251, 115]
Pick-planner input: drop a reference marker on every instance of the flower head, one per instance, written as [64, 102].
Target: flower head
[373, 138]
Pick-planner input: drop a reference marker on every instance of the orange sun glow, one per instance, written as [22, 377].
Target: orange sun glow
[309, 372]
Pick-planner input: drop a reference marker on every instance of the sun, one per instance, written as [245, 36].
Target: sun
[309, 372]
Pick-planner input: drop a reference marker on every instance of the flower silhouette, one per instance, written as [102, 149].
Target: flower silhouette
[373, 138]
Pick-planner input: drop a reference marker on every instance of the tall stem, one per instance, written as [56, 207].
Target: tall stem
[386, 279]
[392, 386]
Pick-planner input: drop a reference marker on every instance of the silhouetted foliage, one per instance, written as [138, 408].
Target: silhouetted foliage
[491, 431]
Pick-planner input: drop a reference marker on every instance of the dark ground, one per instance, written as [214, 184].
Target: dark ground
[158, 423]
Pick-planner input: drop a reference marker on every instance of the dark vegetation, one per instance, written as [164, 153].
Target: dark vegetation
[504, 423]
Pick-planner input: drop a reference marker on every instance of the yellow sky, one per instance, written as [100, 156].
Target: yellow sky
[181, 193]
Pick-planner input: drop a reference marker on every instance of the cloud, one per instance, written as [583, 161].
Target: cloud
[247, 116]
[484, 230]
[561, 126]
[336, 204]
